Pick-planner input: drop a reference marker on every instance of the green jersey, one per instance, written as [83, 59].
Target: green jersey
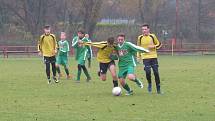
[63, 48]
[81, 51]
[127, 52]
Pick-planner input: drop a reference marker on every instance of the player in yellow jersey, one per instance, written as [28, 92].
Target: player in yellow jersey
[105, 57]
[47, 47]
[149, 41]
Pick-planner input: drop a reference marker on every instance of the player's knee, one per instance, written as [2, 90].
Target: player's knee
[131, 76]
[103, 77]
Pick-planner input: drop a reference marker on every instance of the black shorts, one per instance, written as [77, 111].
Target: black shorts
[51, 59]
[105, 66]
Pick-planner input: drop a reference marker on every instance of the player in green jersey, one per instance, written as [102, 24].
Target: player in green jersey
[62, 56]
[127, 62]
[81, 52]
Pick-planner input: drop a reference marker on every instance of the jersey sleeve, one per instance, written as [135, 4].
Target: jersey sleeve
[55, 42]
[157, 43]
[136, 48]
[67, 46]
[138, 44]
[75, 42]
[39, 44]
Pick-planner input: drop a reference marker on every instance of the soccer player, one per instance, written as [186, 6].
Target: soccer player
[149, 41]
[105, 57]
[62, 56]
[81, 51]
[47, 47]
[126, 53]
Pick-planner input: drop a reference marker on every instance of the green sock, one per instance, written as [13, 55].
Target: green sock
[137, 81]
[126, 87]
[79, 75]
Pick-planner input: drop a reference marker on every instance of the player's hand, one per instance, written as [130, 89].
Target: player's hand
[138, 60]
[151, 46]
[40, 53]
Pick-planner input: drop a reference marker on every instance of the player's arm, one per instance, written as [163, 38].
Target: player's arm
[156, 43]
[138, 44]
[137, 48]
[39, 45]
[89, 49]
[75, 42]
[96, 44]
[55, 44]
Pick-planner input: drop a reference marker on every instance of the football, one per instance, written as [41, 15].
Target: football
[116, 91]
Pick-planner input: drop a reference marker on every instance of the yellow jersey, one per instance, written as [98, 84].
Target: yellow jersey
[47, 45]
[145, 41]
[103, 55]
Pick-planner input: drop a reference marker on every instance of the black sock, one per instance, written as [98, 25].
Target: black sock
[115, 83]
[67, 71]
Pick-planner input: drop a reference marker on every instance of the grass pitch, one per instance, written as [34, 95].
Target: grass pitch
[187, 82]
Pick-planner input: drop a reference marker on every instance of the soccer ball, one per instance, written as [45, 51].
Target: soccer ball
[116, 91]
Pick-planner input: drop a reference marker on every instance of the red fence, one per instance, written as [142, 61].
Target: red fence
[166, 48]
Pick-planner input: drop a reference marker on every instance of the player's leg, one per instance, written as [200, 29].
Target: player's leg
[102, 71]
[132, 77]
[58, 62]
[66, 66]
[79, 73]
[53, 61]
[112, 68]
[156, 74]
[122, 75]
[47, 64]
[147, 68]
[86, 72]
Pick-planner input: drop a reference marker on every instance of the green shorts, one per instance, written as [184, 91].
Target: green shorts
[123, 71]
[62, 60]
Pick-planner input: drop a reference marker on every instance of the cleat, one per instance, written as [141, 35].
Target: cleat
[68, 77]
[56, 80]
[128, 93]
[60, 75]
[150, 88]
[139, 84]
[88, 79]
[49, 81]
[98, 73]
[159, 90]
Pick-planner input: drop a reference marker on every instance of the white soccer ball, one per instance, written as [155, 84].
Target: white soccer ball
[116, 91]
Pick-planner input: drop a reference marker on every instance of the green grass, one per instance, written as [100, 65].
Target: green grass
[187, 81]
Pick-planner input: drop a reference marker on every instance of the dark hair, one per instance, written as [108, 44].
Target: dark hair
[111, 40]
[81, 31]
[145, 25]
[121, 35]
[47, 26]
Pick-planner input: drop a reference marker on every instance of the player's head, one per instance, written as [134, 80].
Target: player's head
[121, 38]
[110, 41]
[81, 33]
[47, 29]
[145, 29]
[62, 35]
